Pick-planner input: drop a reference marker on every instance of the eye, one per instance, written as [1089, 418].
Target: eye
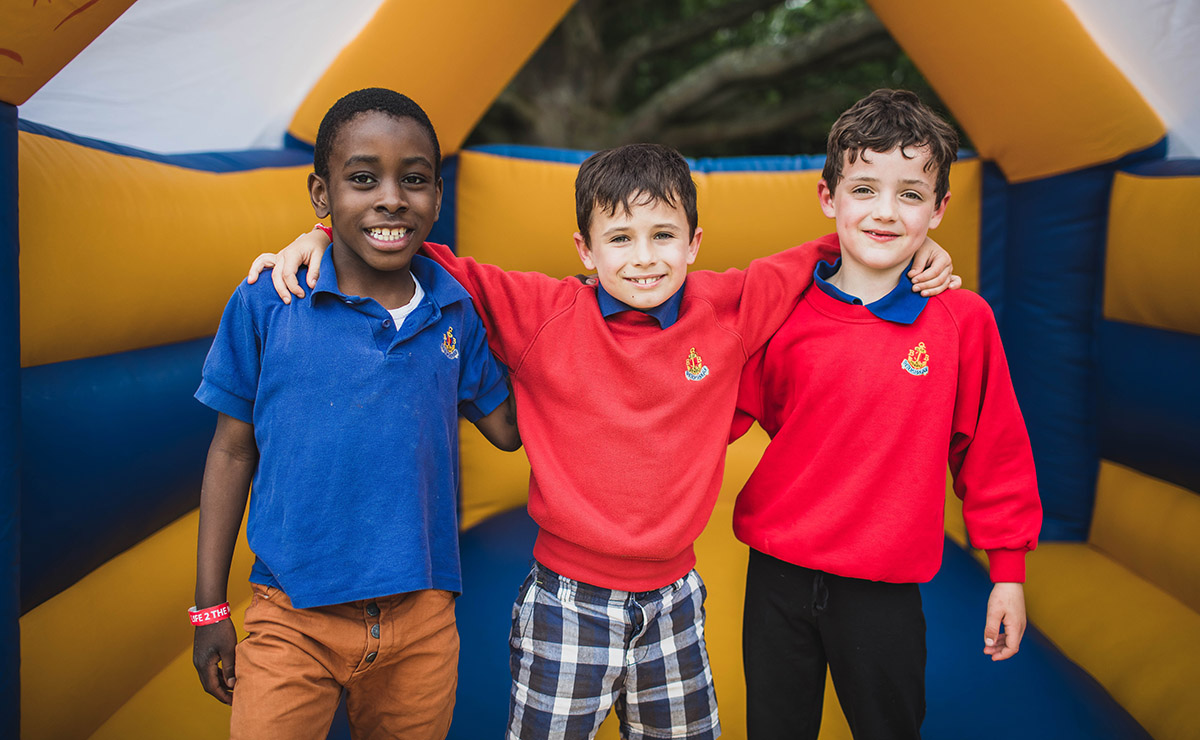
[362, 178]
[618, 239]
[861, 190]
[414, 180]
[664, 235]
[913, 196]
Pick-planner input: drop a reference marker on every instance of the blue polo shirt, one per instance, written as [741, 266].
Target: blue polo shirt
[355, 494]
[900, 306]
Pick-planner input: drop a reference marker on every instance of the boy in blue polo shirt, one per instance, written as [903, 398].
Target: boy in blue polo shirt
[352, 520]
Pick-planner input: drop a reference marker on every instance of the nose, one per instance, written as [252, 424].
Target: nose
[389, 197]
[643, 251]
[885, 209]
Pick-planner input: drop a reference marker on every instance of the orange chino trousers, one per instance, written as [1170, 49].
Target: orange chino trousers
[396, 657]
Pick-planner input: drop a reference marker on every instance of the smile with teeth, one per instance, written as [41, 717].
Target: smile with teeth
[651, 280]
[388, 235]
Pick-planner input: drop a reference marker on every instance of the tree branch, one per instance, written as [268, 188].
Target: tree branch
[741, 65]
[758, 123]
[625, 59]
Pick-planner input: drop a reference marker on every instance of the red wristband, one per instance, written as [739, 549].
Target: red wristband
[211, 615]
[328, 231]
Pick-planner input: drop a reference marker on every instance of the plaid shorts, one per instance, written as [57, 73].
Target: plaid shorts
[580, 650]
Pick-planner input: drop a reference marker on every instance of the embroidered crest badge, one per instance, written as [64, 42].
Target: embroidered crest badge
[695, 368]
[449, 346]
[918, 361]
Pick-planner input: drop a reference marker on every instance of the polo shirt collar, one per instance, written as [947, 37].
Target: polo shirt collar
[900, 306]
[439, 286]
[665, 313]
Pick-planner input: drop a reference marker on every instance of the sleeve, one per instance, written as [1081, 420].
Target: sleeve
[990, 456]
[770, 287]
[229, 381]
[513, 305]
[749, 407]
[481, 381]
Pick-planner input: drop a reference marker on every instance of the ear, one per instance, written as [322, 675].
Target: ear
[318, 192]
[585, 252]
[936, 218]
[825, 196]
[437, 207]
[694, 246]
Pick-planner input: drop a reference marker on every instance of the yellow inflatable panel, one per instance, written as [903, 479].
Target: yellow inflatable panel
[493, 481]
[37, 40]
[150, 253]
[1152, 259]
[1149, 526]
[521, 213]
[1026, 81]
[1132, 637]
[88, 650]
[154, 712]
[455, 80]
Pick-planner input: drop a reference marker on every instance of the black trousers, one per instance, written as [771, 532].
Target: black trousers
[871, 635]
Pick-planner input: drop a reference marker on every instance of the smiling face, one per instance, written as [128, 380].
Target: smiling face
[642, 256]
[884, 204]
[382, 193]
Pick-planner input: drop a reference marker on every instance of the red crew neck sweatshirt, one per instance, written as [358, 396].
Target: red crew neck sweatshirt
[863, 415]
[626, 424]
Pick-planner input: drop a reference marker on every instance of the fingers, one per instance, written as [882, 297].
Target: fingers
[213, 681]
[314, 272]
[993, 641]
[281, 285]
[261, 262]
[228, 669]
[955, 282]
[933, 280]
[1014, 630]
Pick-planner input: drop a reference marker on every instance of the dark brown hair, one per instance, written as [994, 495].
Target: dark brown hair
[634, 174]
[887, 119]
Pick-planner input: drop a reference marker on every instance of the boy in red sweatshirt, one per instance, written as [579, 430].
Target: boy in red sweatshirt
[867, 390]
[623, 387]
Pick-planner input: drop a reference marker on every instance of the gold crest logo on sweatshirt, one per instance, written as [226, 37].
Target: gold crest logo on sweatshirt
[917, 362]
[449, 346]
[695, 369]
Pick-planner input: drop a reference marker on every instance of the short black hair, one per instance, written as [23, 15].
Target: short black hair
[885, 120]
[625, 175]
[369, 99]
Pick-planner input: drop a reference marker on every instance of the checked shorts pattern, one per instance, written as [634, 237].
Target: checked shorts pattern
[579, 651]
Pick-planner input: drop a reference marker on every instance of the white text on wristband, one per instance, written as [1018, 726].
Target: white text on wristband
[211, 615]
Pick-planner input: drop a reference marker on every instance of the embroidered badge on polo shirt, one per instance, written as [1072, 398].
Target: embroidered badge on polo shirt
[449, 346]
[918, 361]
[695, 368]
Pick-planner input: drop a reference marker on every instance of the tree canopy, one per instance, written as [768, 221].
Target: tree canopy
[709, 77]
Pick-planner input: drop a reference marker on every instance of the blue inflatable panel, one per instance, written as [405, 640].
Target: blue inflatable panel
[238, 161]
[1036, 695]
[1166, 168]
[1150, 401]
[114, 450]
[496, 556]
[10, 440]
[536, 153]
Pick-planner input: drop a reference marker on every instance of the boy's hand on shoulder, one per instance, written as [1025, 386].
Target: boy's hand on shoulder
[1006, 606]
[213, 644]
[306, 249]
[933, 270]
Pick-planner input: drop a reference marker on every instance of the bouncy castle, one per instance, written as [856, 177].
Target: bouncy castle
[151, 149]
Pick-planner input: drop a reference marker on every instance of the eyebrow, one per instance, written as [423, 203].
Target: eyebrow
[867, 178]
[372, 159]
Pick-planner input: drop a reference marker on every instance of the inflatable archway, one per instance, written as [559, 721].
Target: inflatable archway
[149, 149]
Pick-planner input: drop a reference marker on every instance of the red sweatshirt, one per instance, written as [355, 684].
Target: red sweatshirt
[625, 424]
[863, 415]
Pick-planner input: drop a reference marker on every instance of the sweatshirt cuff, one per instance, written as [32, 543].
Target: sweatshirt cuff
[1006, 566]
